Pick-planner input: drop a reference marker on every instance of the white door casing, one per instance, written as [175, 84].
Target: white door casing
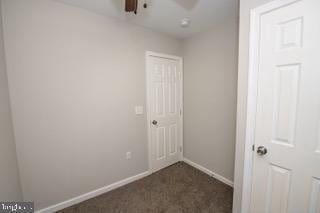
[287, 112]
[164, 92]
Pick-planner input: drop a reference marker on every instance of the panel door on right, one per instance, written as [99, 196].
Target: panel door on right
[286, 174]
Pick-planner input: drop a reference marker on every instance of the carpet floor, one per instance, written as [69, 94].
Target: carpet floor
[179, 188]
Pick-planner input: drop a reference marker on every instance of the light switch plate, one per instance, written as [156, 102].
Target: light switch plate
[139, 110]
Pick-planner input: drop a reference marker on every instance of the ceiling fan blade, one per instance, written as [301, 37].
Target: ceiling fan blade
[131, 6]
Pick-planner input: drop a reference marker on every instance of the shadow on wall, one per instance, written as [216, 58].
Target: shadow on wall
[187, 4]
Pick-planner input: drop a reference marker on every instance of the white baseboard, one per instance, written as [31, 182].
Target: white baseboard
[209, 172]
[92, 194]
[123, 182]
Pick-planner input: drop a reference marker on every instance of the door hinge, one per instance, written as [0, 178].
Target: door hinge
[180, 112]
[253, 147]
[180, 148]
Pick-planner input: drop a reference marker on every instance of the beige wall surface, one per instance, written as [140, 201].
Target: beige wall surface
[9, 176]
[243, 67]
[210, 81]
[74, 79]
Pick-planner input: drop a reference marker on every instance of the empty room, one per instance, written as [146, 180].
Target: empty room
[160, 106]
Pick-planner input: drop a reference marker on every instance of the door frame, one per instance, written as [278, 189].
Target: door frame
[148, 103]
[254, 47]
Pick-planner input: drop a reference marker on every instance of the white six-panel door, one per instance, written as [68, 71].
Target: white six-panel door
[164, 75]
[286, 179]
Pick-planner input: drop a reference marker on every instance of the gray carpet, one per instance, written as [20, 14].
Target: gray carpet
[179, 188]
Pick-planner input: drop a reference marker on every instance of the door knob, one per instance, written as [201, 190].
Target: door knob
[262, 150]
[154, 122]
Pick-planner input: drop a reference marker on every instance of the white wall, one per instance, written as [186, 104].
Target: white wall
[210, 80]
[243, 67]
[74, 78]
[9, 176]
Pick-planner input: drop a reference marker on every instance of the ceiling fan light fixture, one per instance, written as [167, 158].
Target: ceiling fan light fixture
[185, 23]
